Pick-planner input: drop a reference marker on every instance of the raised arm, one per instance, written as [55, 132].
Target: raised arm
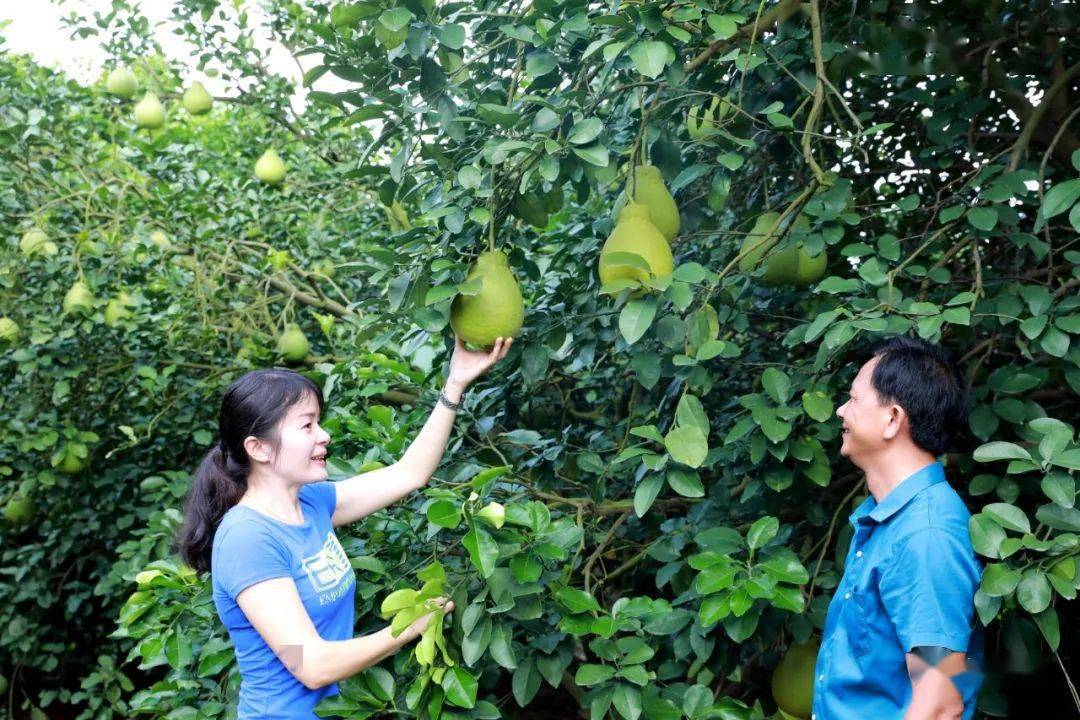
[275, 610]
[362, 495]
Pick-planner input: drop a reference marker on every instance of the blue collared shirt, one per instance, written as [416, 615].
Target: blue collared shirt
[909, 580]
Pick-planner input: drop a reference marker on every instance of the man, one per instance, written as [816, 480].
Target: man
[899, 640]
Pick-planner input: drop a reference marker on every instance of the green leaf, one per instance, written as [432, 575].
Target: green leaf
[444, 513]
[1060, 488]
[589, 674]
[1047, 621]
[577, 601]
[685, 482]
[817, 405]
[593, 154]
[999, 579]
[585, 131]
[1059, 518]
[483, 550]
[1060, 198]
[650, 57]
[540, 64]
[636, 317]
[723, 25]
[1008, 516]
[777, 384]
[986, 535]
[627, 700]
[1067, 459]
[687, 445]
[460, 687]
[395, 19]
[762, 531]
[1000, 450]
[1033, 592]
[984, 218]
[646, 493]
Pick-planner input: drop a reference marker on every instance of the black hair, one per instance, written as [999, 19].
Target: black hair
[921, 378]
[254, 405]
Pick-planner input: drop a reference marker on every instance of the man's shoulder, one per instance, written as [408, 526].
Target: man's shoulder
[938, 509]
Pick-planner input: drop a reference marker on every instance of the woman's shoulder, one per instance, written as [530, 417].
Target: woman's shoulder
[241, 527]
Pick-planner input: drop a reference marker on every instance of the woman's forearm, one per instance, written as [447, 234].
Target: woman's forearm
[422, 457]
[335, 660]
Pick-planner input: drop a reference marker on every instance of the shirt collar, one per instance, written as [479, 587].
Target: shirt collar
[899, 496]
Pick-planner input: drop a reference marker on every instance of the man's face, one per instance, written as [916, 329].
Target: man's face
[866, 421]
[302, 441]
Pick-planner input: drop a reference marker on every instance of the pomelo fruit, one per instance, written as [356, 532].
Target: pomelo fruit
[72, 463]
[122, 83]
[635, 233]
[650, 191]
[497, 310]
[9, 330]
[269, 168]
[33, 242]
[793, 679]
[293, 344]
[197, 100]
[78, 299]
[703, 121]
[530, 208]
[759, 241]
[149, 112]
[782, 267]
[160, 239]
[117, 309]
[811, 268]
[20, 510]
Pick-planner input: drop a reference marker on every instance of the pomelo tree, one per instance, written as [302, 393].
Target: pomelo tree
[664, 453]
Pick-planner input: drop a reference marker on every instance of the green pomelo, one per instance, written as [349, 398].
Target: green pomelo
[122, 83]
[650, 191]
[793, 679]
[20, 510]
[72, 463]
[117, 309]
[497, 310]
[760, 240]
[33, 241]
[269, 168]
[635, 233]
[702, 122]
[78, 299]
[293, 344]
[197, 100]
[811, 268]
[9, 329]
[149, 112]
[781, 267]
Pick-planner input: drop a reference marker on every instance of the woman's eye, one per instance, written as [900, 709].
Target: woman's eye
[308, 425]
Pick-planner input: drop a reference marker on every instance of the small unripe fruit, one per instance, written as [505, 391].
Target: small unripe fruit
[197, 100]
[122, 83]
[269, 168]
[493, 513]
[78, 299]
[9, 330]
[149, 112]
[33, 242]
[292, 344]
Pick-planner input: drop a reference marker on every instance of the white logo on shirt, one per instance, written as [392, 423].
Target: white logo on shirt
[326, 568]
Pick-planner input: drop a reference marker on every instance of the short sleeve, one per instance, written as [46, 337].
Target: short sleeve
[322, 495]
[248, 553]
[928, 590]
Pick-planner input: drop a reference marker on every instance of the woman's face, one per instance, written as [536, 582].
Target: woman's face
[302, 454]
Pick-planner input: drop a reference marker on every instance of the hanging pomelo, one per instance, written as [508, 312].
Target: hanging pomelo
[635, 233]
[149, 112]
[122, 83]
[496, 310]
[293, 344]
[793, 679]
[197, 100]
[269, 168]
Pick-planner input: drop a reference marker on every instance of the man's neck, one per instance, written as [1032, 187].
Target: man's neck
[888, 469]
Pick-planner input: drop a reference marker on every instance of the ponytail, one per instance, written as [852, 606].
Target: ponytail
[220, 482]
[253, 406]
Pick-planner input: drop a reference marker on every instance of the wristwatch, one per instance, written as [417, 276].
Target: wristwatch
[455, 406]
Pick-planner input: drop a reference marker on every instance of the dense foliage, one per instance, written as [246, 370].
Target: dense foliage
[675, 506]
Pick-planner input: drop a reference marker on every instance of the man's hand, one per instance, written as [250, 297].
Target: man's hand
[933, 694]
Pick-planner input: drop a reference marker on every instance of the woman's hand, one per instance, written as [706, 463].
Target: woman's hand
[445, 607]
[466, 365]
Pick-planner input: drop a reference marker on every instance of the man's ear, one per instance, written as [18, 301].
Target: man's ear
[897, 422]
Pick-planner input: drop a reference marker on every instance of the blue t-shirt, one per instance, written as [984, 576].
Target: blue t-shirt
[909, 581]
[250, 547]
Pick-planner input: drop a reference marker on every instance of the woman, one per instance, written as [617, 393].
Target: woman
[260, 517]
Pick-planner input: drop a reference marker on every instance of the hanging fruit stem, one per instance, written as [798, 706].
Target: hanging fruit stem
[491, 213]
